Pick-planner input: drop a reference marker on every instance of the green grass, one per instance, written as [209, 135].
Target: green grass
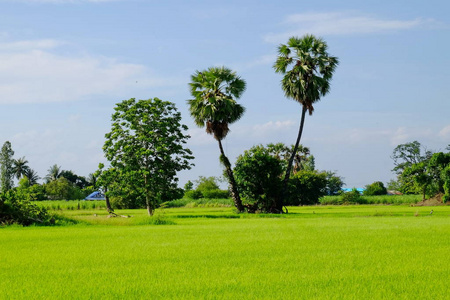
[384, 199]
[317, 252]
[71, 204]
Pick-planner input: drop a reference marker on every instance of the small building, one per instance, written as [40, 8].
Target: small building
[95, 196]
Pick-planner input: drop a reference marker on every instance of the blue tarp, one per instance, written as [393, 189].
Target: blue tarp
[95, 196]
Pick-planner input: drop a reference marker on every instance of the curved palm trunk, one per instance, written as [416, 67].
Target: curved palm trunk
[233, 186]
[291, 160]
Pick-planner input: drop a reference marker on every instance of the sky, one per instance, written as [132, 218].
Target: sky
[64, 64]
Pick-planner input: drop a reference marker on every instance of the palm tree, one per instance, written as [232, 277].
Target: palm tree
[54, 172]
[214, 106]
[20, 167]
[32, 176]
[307, 80]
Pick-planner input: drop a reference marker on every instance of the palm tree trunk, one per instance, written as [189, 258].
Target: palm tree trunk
[233, 186]
[291, 159]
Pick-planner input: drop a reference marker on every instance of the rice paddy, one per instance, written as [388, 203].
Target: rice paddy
[316, 252]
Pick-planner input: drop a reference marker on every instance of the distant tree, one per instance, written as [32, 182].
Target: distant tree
[188, 186]
[214, 106]
[32, 176]
[20, 167]
[75, 179]
[7, 167]
[376, 188]
[146, 145]
[406, 155]
[54, 172]
[307, 80]
[334, 183]
[59, 189]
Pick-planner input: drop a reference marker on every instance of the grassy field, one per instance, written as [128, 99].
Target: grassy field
[317, 252]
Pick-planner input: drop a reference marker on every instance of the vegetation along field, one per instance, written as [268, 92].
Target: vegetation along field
[315, 252]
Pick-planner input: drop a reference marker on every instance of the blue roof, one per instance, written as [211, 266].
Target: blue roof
[95, 196]
[358, 189]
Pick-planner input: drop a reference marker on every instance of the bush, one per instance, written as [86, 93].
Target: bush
[306, 187]
[216, 194]
[14, 209]
[258, 176]
[376, 188]
[193, 194]
[353, 197]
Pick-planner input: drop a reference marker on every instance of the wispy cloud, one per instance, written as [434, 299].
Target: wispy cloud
[34, 72]
[341, 23]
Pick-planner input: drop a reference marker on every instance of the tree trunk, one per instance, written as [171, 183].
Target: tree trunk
[291, 159]
[233, 186]
[147, 198]
[108, 204]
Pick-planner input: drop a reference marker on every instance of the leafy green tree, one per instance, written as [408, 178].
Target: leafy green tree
[76, 180]
[214, 106]
[258, 175]
[307, 80]
[188, 186]
[408, 154]
[54, 172]
[334, 183]
[146, 144]
[59, 189]
[20, 167]
[306, 187]
[376, 188]
[7, 167]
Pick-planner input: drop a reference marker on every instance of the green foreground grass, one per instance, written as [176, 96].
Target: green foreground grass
[318, 252]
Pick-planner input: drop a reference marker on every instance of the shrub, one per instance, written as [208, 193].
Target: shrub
[376, 188]
[258, 176]
[216, 194]
[352, 197]
[306, 187]
[193, 194]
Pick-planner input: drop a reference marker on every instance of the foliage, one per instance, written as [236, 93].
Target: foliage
[62, 189]
[307, 68]
[215, 194]
[6, 168]
[146, 146]
[258, 178]
[352, 197]
[54, 172]
[188, 186]
[35, 192]
[20, 167]
[306, 187]
[193, 194]
[334, 183]
[383, 199]
[214, 107]
[376, 188]
[76, 180]
[15, 209]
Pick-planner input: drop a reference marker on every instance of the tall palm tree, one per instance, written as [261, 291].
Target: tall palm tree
[214, 106]
[54, 172]
[307, 68]
[32, 176]
[20, 167]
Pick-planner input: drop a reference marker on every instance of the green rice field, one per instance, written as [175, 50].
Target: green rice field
[316, 252]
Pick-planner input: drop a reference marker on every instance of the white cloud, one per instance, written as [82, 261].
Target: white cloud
[445, 132]
[341, 23]
[33, 72]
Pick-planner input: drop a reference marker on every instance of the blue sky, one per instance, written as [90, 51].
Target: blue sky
[65, 64]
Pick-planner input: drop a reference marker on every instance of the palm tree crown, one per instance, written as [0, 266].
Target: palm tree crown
[20, 167]
[311, 72]
[214, 106]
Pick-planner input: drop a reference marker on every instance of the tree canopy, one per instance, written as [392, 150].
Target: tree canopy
[147, 145]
